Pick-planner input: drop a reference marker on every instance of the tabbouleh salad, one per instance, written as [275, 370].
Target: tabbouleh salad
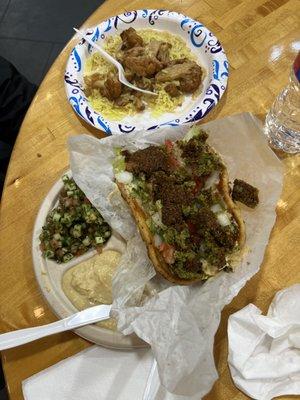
[73, 227]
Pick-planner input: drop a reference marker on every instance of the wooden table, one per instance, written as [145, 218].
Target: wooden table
[261, 39]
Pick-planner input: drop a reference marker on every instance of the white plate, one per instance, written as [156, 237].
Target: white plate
[202, 43]
[49, 276]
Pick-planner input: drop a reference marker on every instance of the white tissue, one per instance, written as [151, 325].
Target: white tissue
[180, 322]
[264, 351]
[96, 374]
[93, 374]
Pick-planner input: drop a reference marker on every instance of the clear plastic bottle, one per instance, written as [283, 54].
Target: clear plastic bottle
[282, 125]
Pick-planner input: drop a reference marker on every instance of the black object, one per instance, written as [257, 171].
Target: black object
[16, 93]
[3, 391]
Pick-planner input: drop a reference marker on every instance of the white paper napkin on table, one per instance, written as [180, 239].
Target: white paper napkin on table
[96, 374]
[264, 351]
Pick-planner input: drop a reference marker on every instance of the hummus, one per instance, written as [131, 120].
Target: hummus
[90, 283]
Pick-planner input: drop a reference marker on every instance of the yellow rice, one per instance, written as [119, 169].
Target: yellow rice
[160, 104]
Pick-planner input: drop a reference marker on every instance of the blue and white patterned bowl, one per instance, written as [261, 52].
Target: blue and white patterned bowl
[203, 44]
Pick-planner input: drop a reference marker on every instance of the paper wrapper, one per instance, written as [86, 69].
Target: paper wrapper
[180, 322]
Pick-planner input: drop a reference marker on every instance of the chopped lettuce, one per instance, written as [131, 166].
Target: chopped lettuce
[119, 161]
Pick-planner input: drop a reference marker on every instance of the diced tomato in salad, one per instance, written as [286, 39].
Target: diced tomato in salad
[79, 252]
[167, 252]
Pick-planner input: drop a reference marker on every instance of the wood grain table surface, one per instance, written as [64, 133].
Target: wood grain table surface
[261, 38]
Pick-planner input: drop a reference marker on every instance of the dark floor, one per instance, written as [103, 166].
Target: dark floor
[32, 34]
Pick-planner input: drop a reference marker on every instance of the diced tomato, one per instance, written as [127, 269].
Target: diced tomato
[169, 145]
[79, 252]
[167, 252]
[199, 184]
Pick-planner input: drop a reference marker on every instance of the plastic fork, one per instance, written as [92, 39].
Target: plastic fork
[22, 336]
[113, 61]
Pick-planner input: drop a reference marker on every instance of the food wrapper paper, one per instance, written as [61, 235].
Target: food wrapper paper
[180, 322]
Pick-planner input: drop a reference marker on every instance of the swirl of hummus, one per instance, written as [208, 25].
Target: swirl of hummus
[90, 283]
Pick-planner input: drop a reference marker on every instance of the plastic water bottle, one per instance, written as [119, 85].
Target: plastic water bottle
[282, 125]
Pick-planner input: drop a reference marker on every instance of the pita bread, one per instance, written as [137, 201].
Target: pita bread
[155, 256]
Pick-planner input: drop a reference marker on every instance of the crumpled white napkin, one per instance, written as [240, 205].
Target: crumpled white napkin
[264, 351]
